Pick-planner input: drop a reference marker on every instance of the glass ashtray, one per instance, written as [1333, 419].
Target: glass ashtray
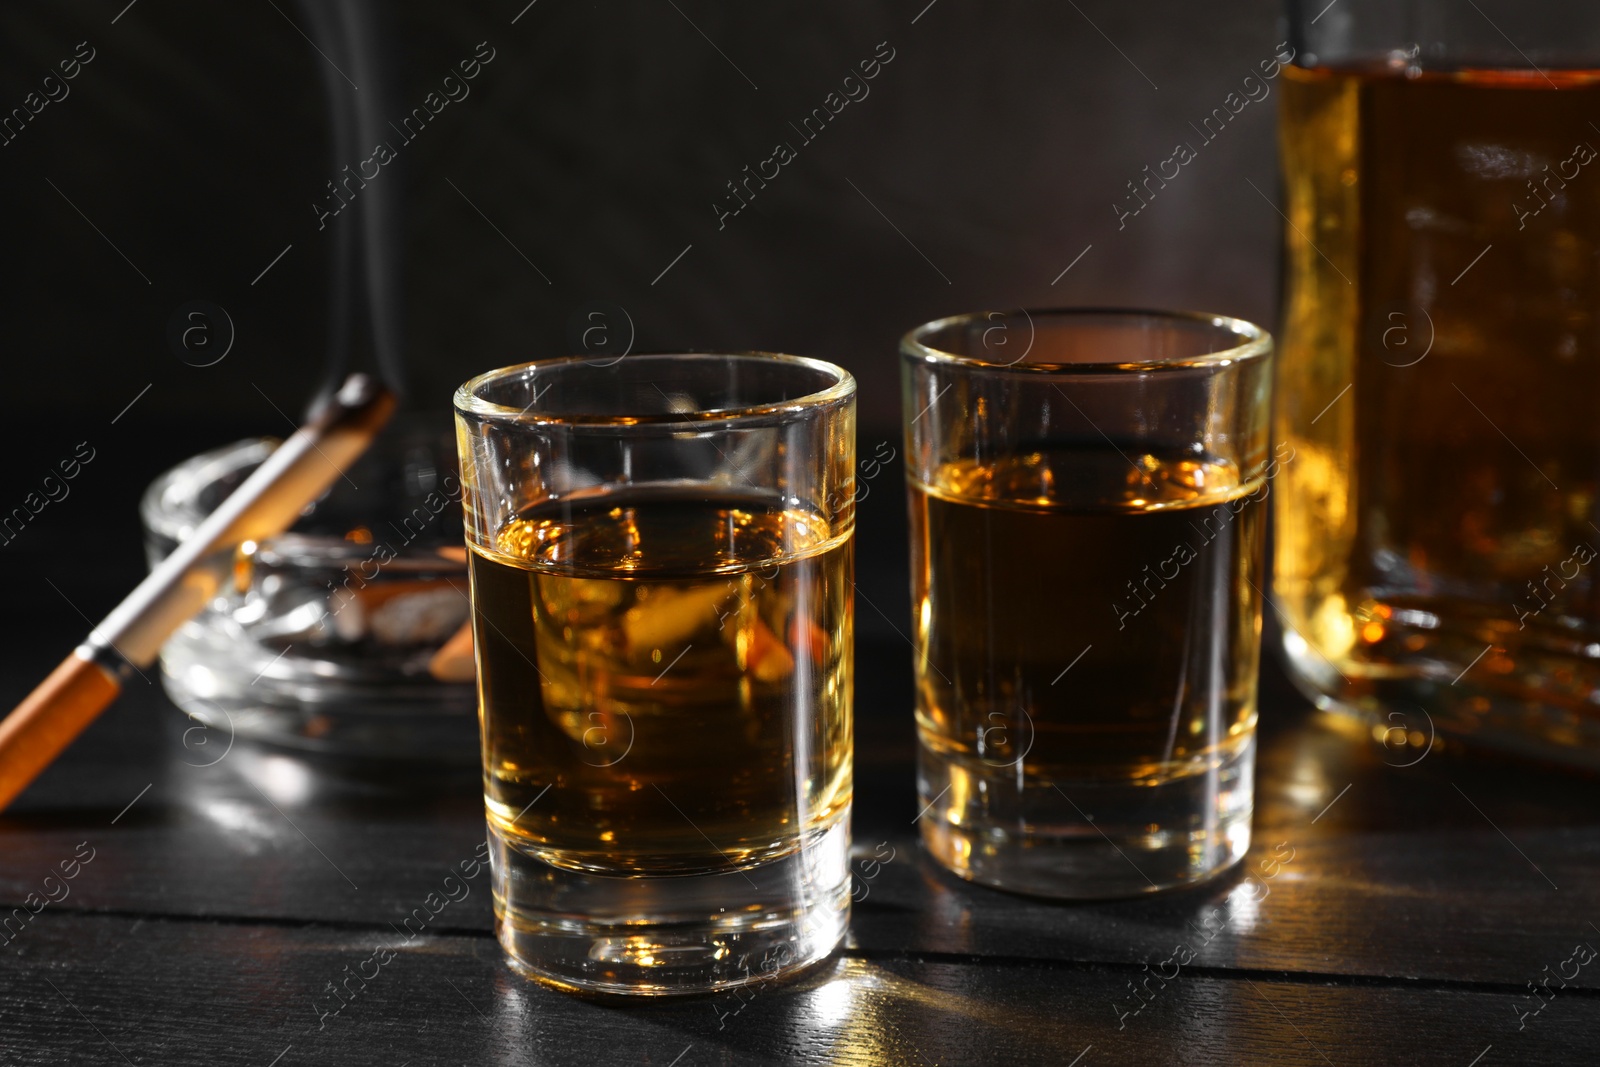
[349, 634]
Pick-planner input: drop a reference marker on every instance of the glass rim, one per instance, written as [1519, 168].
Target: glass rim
[466, 400]
[1256, 343]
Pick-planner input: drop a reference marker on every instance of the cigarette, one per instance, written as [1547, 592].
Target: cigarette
[130, 638]
[454, 661]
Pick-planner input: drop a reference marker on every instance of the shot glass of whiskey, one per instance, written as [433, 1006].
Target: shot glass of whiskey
[661, 556]
[1087, 522]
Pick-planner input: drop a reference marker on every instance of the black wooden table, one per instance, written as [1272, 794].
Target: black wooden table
[1387, 914]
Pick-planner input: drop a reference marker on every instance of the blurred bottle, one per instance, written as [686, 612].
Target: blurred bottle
[1438, 537]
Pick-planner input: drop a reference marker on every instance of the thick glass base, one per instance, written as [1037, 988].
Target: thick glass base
[1088, 838]
[670, 935]
[1490, 688]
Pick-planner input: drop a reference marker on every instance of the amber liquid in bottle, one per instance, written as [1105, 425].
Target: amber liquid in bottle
[1439, 381]
[665, 681]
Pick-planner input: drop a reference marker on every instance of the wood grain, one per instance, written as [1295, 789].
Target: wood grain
[1400, 878]
[181, 992]
[229, 881]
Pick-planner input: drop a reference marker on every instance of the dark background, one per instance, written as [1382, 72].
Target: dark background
[985, 159]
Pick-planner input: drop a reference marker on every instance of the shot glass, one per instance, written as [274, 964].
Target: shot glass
[1087, 522]
[661, 555]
